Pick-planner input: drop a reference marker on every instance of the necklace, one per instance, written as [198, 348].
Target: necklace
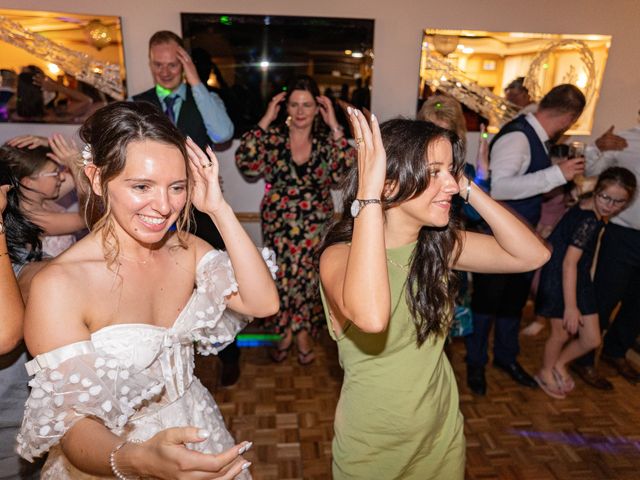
[398, 265]
[135, 260]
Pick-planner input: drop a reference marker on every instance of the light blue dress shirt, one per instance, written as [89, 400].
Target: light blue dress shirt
[214, 114]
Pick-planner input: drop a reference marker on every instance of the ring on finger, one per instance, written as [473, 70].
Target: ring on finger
[358, 141]
[207, 165]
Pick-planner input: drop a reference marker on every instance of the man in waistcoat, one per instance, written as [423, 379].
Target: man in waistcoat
[521, 171]
[199, 114]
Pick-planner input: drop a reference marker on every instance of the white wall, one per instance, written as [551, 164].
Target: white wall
[398, 32]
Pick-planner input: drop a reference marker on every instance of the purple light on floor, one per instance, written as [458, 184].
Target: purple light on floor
[606, 444]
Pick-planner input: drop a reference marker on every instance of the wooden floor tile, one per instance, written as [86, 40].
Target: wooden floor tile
[512, 433]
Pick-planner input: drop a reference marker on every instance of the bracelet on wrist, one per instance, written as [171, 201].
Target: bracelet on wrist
[112, 460]
[468, 191]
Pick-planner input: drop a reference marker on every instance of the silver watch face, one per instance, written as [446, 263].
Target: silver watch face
[355, 208]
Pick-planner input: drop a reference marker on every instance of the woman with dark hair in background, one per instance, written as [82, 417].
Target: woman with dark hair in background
[300, 161]
[389, 289]
[19, 245]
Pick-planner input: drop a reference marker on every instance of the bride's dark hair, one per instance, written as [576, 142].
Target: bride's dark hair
[431, 284]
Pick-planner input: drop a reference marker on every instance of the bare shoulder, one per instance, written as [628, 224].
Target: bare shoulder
[187, 248]
[196, 246]
[57, 301]
[72, 266]
[333, 262]
[336, 254]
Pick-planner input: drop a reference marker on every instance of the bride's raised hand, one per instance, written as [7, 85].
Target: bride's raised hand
[206, 194]
[372, 159]
[166, 456]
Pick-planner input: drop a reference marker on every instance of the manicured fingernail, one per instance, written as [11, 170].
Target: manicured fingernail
[349, 110]
[355, 112]
[246, 465]
[202, 433]
[245, 447]
[373, 117]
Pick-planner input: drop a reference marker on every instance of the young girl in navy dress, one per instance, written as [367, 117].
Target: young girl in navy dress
[566, 293]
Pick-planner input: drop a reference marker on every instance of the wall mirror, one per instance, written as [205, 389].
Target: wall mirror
[249, 58]
[476, 66]
[58, 67]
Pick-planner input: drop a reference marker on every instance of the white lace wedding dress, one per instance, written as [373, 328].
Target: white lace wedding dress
[137, 379]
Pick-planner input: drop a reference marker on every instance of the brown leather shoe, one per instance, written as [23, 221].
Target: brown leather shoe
[623, 367]
[590, 376]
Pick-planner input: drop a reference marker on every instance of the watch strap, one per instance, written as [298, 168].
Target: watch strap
[367, 201]
[363, 202]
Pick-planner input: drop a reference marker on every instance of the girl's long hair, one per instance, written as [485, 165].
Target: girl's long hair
[23, 236]
[431, 284]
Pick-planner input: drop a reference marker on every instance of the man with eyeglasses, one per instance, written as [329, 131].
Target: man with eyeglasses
[617, 275]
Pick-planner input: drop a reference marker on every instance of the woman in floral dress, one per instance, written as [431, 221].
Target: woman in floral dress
[300, 160]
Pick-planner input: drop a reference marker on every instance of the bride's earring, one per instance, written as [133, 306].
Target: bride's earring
[288, 121]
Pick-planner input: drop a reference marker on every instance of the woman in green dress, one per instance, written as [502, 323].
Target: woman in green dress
[388, 290]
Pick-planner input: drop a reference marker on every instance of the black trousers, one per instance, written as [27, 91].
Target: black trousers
[498, 299]
[617, 280]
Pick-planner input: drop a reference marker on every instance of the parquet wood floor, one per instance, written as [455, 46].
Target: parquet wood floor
[513, 433]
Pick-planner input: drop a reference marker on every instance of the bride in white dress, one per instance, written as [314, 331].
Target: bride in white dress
[113, 321]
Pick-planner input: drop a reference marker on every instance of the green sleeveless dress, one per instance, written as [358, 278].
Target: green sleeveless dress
[398, 416]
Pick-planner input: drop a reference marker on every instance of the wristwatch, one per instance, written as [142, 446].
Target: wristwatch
[358, 205]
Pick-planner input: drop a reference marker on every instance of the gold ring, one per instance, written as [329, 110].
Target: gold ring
[358, 141]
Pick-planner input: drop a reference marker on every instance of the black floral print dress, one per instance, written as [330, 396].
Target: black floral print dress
[295, 208]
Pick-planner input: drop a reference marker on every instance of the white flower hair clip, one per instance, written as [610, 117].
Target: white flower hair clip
[87, 156]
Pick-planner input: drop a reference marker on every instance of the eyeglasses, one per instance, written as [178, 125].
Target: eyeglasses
[59, 171]
[611, 201]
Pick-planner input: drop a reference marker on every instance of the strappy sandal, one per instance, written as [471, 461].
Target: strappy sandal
[566, 383]
[303, 357]
[546, 388]
[280, 354]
